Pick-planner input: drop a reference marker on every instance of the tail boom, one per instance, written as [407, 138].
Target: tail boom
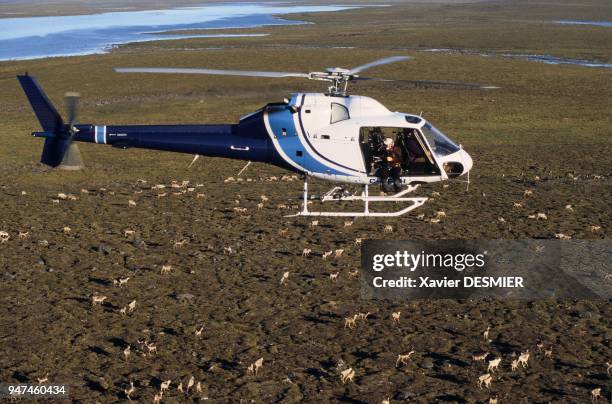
[205, 140]
[247, 140]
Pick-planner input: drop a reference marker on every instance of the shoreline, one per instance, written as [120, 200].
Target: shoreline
[176, 27]
[32, 9]
[108, 49]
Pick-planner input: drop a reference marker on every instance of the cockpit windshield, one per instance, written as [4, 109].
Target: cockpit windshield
[440, 144]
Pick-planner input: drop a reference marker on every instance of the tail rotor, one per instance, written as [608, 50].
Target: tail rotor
[58, 149]
[72, 101]
[72, 158]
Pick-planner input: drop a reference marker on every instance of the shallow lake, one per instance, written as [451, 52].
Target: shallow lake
[598, 23]
[548, 59]
[38, 37]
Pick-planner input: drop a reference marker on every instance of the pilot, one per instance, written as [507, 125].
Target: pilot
[410, 147]
[391, 166]
[402, 142]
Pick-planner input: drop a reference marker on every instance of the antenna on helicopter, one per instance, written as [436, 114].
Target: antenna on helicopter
[338, 77]
[195, 158]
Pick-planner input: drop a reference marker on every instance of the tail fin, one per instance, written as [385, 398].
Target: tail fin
[56, 150]
[47, 115]
[58, 144]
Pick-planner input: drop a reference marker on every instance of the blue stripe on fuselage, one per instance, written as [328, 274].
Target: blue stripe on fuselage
[99, 134]
[281, 118]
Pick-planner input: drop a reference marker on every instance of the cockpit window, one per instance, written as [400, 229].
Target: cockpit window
[338, 113]
[412, 119]
[439, 143]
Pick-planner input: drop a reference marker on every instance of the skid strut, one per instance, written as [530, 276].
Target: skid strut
[333, 195]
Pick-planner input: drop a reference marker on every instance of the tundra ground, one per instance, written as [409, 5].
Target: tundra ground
[546, 130]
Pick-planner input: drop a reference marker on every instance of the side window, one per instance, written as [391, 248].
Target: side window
[338, 113]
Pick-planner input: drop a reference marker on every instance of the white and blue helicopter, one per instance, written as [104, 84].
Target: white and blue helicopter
[332, 136]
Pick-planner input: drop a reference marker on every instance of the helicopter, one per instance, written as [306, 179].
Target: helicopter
[333, 136]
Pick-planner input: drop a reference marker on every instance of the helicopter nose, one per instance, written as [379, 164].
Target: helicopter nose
[467, 161]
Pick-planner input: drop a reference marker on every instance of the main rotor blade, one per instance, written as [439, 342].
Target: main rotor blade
[448, 84]
[247, 73]
[379, 62]
[433, 84]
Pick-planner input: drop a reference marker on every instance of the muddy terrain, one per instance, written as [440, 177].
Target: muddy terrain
[206, 278]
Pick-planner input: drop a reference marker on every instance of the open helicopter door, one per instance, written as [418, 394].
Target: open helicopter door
[416, 159]
[418, 164]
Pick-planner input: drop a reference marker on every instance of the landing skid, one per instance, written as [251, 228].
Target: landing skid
[336, 194]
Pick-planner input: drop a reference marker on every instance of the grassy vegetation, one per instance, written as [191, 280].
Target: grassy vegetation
[540, 113]
[547, 130]
[513, 26]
